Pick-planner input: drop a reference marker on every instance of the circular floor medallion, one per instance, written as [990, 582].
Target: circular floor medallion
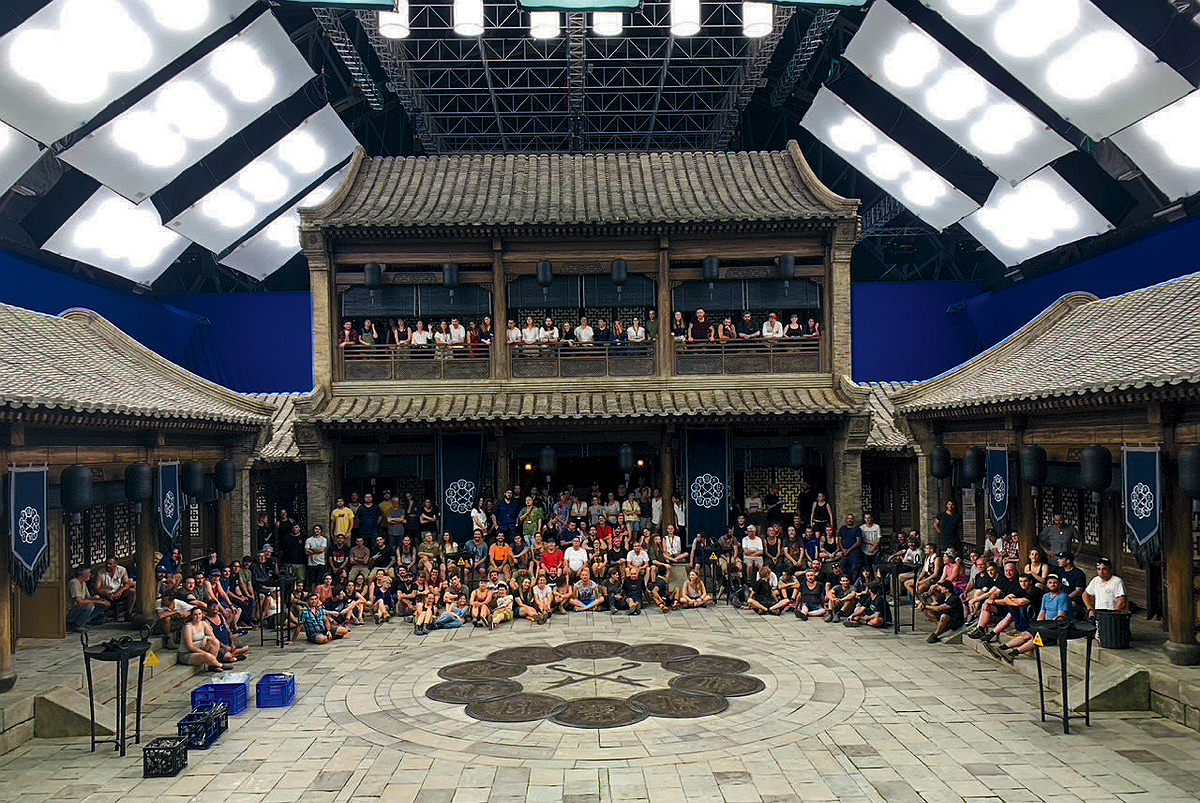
[676, 704]
[599, 712]
[658, 653]
[527, 656]
[707, 665]
[593, 650]
[523, 707]
[480, 670]
[463, 692]
[719, 684]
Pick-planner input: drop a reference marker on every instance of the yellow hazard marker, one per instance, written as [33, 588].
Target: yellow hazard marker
[1037, 640]
[152, 659]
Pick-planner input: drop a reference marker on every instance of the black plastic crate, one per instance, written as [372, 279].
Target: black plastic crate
[164, 757]
[218, 711]
[200, 730]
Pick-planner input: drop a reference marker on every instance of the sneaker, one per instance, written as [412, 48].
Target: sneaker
[422, 631]
[989, 637]
[829, 617]
[933, 638]
[851, 623]
[637, 612]
[1009, 656]
[801, 615]
[992, 649]
[976, 634]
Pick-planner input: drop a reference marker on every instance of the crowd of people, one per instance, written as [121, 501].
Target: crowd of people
[479, 335]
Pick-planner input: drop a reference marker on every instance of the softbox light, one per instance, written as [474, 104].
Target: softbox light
[1165, 147]
[18, 153]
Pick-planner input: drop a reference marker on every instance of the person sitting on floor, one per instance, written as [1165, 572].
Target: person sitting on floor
[809, 597]
[198, 646]
[944, 608]
[871, 611]
[840, 601]
[694, 594]
[586, 594]
[763, 596]
[316, 624]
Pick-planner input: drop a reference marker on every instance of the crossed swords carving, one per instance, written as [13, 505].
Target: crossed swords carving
[577, 676]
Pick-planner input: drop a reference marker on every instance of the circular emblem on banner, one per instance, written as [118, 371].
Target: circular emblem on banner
[459, 495]
[999, 488]
[169, 504]
[1141, 500]
[29, 525]
[707, 490]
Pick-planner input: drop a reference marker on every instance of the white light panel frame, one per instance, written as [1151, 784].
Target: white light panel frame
[1166, 147]
[995, 24]
[139, 252]
[323, 127]
[101, 155]
[972, 111]
[1038, 226]
[18, 153]
[139, 45]
[264, 253]
[833, 121]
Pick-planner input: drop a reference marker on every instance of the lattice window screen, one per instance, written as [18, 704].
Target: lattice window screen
[124, 530]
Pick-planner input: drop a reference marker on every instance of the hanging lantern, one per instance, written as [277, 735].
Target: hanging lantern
[545, 276]
[1095, 469]
[941, 464]
[225, 476]
[787, 271]
[76, 490]
[1189, 471]
[139, 483]
[625, 459]
[797, 455]
[712, 269]
[374, 463]
[373, 276]
[548, 461]
[450, 278]
[974, 465]
[620, 274]
[191, 478]
[1033, 465]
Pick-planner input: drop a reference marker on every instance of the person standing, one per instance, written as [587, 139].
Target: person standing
[948, 526]
[342, 519]
[315, 549]
[1058, 537]
[368, 517]
[871, 536]
[291, 551]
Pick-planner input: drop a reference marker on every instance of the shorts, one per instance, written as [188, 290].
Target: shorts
[753, 564]
[505, 615]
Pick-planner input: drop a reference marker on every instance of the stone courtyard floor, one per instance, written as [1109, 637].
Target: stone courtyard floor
[816, 712]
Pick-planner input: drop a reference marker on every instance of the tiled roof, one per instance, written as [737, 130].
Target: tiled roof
[885, 433]
[472, 404]
[79, 362]
[280, 445]
[1080, 345]
[578, 189]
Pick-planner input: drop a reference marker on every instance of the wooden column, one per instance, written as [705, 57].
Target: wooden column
[665, 345]
[147, 545]
[326, 321]
[1181, 647]
[667, 475]
[1022, 518]
[501, 353]
[503, 464]
[224, 521]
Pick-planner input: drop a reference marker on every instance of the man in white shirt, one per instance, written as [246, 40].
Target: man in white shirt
[1106, 591]
[458, 333]
[584, 332]
[114, 585]
[575, 557]
[869, 545]
[638, 557]
[548, 333]
[680, 513]
[656, 509]
[315, 547]
[772, 329]
[752, 550]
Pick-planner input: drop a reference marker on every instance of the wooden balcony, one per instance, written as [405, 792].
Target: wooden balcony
[757, 356]
[580, 360]
[376, 363]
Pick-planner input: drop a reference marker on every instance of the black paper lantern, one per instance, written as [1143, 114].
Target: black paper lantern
[625, 458]
[139, 483]
[374, 463]
[1189, 471]
[545, 273]
[225, 476]
[76, 487]
[620, 272]
[712, 269]
[974, 465]
[450, 275]
[797, 455]
[548, 461]
[1033, 465]
[373, 276]
[941, 464]
[787, 267]
[191, 478]
[1095, 469]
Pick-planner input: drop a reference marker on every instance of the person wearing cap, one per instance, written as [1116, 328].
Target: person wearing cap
[746, 328]
[1106, 591]
[772, 329]
[1074, 581]
[1058, 536]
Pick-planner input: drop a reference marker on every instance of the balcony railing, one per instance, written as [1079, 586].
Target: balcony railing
[365, 363]
[758, 356]
[579, 360]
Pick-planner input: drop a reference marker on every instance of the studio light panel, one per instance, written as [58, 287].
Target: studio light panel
[918, 70]
[873, 153]
[18, 153]
[1038, 215]
[73, 58]
[111, 233]
[145, 147]
[1073, 56]
[278, 177]
[277, 242]
[1166, 146]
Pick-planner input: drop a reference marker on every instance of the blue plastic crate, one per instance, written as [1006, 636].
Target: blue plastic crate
[236, 696]
[275, 691]
[200, 729]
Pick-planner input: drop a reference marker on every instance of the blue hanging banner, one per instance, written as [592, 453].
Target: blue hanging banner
[170, 501]
[461, 457]
[1142, 491]
[706, 485]
[27, 519]
[997, 483]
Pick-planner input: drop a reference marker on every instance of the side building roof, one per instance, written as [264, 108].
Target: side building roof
[80, 363]
[1079, 347]
[479, 191]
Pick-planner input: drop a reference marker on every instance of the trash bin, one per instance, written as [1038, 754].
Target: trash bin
[1113, 629]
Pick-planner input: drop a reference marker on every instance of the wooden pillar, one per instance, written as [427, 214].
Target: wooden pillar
[1181, 647]
[326, 321]
[665, 344]
[667, 473]
[501, 352]
[503, 464]
[837, 301]
[147, 545]
[224, 523]
[1022, 517]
